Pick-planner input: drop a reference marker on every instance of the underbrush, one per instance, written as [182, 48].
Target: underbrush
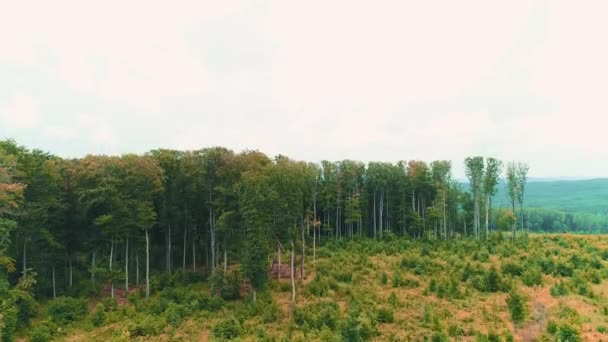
[361, 290]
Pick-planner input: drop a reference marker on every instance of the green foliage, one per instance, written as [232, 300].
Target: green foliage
[563, 332]
[404, 281]
[64, 310]
[559, 290]
[227, 329]
[490, 281]
[99, 315]
[146, 326]
[227, 285]
[532, 276]
[43, 331]
[174, 314]
[383, 278]
[516, 303]
[385, 315]
[318, 316]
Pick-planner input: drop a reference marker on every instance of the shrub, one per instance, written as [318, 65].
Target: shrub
[532, 276]
[455, 330]
[174, 314]
[227, 285]
[64, 310]
[490, 281]
[516, 304]
[563, 270]
[563, 332]
[385, 315]
[513, 269]
[354, 330]
[407, 282]
[559, 290]
[344, 277]
[392, 299]
[99, 316]
[319, 287]
[318, 315]
[43, 332]
[216, 303]
[227, 329]
[146, 325]
[383, 278]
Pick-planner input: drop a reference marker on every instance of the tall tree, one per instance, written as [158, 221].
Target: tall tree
[522, 178]
[512, 191]
[474, 169]
[490, 182]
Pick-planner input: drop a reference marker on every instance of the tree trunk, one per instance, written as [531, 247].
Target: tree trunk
[254, 295]
[185, 244]
[93, 266]
[521, 210]
[293, 279]
[225, 257]
[374, 214]
[487, 216]
[127, 266]
[194, 250]
[514, 221]
[70, 267]
[24, 272]
[168, 255]
[303, 253]
[212, 230]
[381, 210]
[137, 268]
[314, 244]
[147, 265]
[54, 288]
[279, 253]
[111, 257]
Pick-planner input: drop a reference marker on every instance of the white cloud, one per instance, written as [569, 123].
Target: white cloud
[315, 80]
[21, 113]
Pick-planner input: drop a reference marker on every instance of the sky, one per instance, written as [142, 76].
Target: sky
[383, 80]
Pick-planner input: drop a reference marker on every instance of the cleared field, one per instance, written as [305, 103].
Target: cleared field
[543, 287]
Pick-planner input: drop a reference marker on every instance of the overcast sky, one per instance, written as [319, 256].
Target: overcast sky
[314, 80]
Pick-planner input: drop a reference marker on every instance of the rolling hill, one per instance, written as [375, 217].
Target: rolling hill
[585, 196]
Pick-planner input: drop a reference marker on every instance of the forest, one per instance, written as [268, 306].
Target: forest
[127, 232]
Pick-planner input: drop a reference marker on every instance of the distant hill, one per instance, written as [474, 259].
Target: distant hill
[586, 196]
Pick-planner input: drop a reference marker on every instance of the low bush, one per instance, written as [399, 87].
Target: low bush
[318, 315]
[99, 315]
[146, 326]
[227, 329]
[64, 310]
[532, 276]
[43, 331]
[226, 284]
[385, 315]
[517, 306]
[559, 289]
[407, 282]
[563, 332]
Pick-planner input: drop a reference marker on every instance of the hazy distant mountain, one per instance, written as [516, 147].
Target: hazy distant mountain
[568, 194]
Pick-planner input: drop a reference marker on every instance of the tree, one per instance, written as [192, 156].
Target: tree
[256, 200]
[522, 177]
[490, 182]
[512, 190]
[474, 169]
[441, 173]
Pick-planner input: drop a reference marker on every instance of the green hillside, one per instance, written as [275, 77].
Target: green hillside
[586, 196]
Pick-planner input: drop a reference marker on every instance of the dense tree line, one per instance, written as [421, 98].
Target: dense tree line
[69, 226]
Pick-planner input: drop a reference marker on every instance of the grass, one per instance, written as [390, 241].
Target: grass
[545, 287]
